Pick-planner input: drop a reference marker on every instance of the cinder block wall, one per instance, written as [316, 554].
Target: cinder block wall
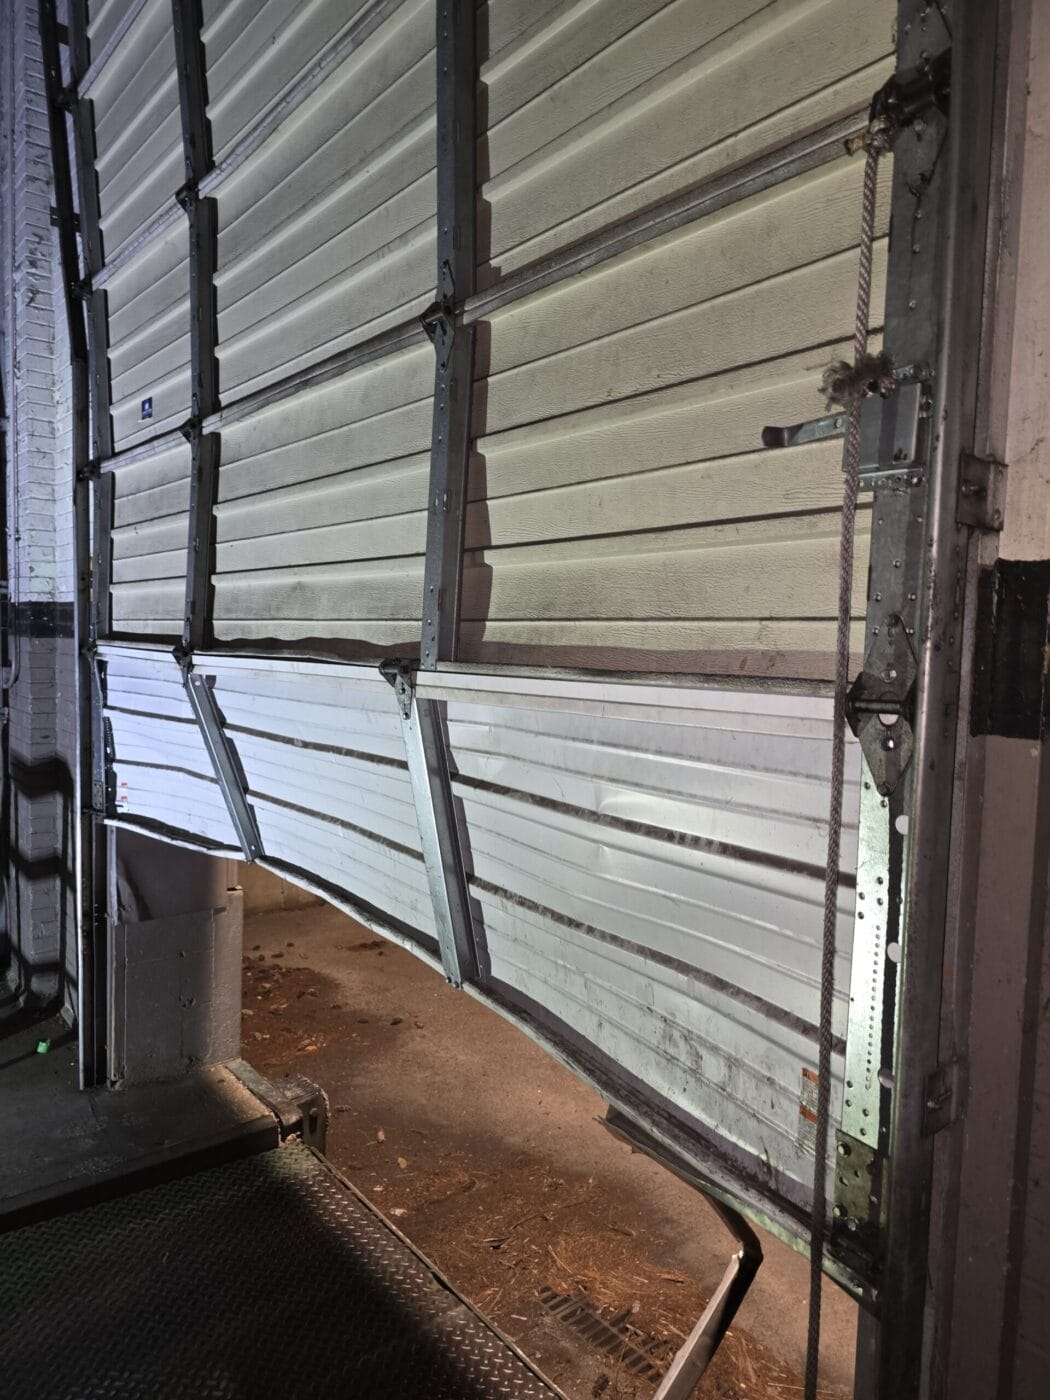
[40, 681]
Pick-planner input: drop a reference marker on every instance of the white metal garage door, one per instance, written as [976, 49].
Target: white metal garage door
[592, 781]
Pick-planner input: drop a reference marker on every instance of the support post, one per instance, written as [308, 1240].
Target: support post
[453, 340]
[202, 215]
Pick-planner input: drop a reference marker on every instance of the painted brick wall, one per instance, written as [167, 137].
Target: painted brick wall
[41, 697]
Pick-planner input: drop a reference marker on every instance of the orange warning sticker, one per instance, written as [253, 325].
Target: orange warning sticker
[807, 1110]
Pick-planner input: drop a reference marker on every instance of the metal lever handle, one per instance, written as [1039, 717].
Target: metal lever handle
[834, 425]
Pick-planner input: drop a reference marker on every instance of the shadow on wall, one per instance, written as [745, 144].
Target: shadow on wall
[34, 952]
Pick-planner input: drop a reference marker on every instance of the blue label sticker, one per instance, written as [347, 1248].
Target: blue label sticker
[147, 409]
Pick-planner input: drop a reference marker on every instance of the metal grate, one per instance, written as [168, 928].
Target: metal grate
[267, 1277]
[609, 1336]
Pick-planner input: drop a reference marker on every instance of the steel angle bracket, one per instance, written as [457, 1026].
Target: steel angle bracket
[224, 761]
[428, 771]
[857, 1215]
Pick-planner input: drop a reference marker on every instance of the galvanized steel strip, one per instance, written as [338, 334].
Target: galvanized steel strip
[203, 219]
[453, 339]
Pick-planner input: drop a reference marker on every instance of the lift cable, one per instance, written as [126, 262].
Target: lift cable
[848, 386]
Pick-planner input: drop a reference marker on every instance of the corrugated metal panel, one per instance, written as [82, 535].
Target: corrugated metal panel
[619, 480]
[321, 522]
[139, 164]
[163, 776]
[324, 759]
[607, 107]
[149, 339]
[257, 48]
[138, 131]
[327, 232]
[150, 530]
[650, 870]
[104, 17]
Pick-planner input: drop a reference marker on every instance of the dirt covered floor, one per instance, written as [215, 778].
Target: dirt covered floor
[488, 1155]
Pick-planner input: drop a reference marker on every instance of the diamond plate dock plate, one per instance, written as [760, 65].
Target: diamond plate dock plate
[266, 1277]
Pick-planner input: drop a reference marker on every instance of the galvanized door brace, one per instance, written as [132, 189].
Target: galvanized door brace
[428, 760]
[202, 216]
[92, 505]
[224, 762]
[428, 771]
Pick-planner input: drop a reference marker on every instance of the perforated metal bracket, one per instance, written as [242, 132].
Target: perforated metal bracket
[402, 678]
[858, 1191]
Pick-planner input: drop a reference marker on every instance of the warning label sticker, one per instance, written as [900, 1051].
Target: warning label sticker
[807, 1110]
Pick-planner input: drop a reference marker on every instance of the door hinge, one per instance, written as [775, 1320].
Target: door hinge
[982, 491]
[880, 704]
[439, 319]
[401, 675]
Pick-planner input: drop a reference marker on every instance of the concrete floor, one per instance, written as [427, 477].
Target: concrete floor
[449, 1117]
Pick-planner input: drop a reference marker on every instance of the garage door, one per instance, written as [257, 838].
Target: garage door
[590, 777]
